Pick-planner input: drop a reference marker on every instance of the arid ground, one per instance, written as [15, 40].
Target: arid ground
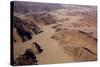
[69, 32]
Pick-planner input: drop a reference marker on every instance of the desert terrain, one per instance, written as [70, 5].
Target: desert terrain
[69, 32]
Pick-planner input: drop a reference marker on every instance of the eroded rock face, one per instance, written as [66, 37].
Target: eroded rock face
[78, 44]
[27, 58]
[28, 55]
[23, 30]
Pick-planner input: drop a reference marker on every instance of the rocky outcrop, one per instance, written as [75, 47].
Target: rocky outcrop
[24, 29]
